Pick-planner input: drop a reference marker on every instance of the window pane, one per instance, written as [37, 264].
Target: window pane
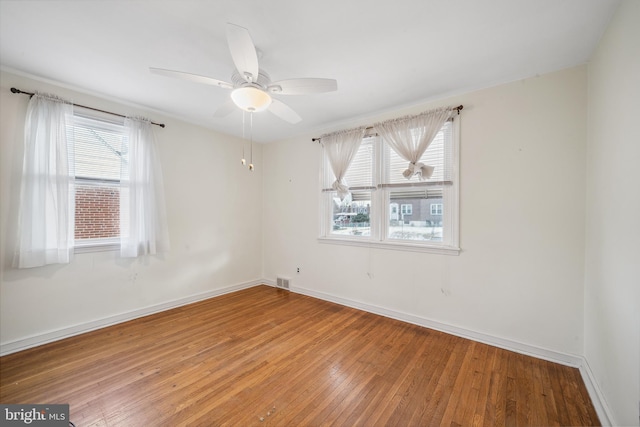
[351, 216]
[413, 216]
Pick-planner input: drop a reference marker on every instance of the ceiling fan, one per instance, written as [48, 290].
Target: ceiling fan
[252, 87]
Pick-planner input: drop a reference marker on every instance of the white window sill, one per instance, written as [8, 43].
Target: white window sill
[396, 246]
[96, 245]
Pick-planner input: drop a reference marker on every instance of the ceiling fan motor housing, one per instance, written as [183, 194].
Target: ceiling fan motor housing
[262, 82]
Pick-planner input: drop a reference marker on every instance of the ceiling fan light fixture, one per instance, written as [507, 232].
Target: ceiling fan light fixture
[251, 99]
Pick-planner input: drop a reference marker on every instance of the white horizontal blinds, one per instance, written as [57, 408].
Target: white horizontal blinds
[417, 193]
[447, 150]
[360, 195]
[359, 176]
[360, 172]
[98, 149]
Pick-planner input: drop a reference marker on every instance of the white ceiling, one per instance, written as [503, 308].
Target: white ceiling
[384, 54]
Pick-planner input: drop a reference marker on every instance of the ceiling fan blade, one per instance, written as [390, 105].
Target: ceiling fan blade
[243, 52]
[225, 109]
[191, 77]
[303, 86]
[285, 112]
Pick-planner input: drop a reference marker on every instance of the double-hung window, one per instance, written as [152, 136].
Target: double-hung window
[385, 209]
[98, 156]
[87, 182]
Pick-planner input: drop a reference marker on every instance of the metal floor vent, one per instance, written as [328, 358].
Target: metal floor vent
[282, 283]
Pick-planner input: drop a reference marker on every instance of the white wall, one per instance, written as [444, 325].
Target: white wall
[519, 276]
[213, 207]
[612, 273]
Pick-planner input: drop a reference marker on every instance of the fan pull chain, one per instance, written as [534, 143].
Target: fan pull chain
[251, 140]
[243, 160]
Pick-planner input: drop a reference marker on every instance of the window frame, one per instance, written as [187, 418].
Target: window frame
[380, 209]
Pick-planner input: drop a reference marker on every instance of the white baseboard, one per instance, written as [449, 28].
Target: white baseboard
[575, 361]
[597, 398]
[529, 350]
[36, 340]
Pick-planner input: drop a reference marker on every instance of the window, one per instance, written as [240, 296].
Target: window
[97, 158]
[385, 209]
[115, 168]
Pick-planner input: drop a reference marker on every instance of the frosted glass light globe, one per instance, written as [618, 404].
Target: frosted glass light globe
[251, 99]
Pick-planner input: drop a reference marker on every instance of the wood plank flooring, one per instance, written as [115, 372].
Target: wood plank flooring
[267, 357]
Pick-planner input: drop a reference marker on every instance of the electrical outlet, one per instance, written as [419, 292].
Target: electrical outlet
[298, 270]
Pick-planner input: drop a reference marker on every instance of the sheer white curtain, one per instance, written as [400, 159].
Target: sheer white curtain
[46, 214]
[341, 148]
[143, 222]
[410, 137]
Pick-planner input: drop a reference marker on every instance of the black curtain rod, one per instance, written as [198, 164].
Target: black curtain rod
[14, 90]
[458, 108]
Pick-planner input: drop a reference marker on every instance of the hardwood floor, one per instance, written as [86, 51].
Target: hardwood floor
[267, 357]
